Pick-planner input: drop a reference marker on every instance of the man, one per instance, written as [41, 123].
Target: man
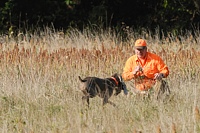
[145, 68]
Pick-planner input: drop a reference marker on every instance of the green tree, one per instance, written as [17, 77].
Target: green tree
[168, 15]
[6, 7]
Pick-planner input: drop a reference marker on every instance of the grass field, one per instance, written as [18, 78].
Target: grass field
[40, 88]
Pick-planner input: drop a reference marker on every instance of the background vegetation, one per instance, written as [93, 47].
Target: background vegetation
[40, 87]
[169, 16]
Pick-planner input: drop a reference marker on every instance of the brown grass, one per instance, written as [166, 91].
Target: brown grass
[40, 87]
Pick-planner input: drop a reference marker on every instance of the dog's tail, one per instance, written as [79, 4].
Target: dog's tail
[82, 80]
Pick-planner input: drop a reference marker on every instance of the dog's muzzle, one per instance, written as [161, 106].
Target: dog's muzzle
[124, 88]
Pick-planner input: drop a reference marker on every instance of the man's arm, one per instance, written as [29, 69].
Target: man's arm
[163, 69]
[130, 70]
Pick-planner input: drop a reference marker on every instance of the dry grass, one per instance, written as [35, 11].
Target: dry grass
[39, 84]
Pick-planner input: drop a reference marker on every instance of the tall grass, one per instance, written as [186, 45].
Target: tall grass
[40, 89]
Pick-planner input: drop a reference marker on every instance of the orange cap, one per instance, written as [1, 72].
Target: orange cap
[140, 44]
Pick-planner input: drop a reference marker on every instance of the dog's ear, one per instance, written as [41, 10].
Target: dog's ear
[117, 77]
[120, 78]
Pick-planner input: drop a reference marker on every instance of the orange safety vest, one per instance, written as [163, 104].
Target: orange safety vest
[151, 65]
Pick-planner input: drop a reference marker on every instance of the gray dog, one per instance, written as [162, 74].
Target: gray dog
[104, 88]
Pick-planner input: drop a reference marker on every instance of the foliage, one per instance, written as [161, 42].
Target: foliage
[170, 16]
[177, 14]
[6, 8]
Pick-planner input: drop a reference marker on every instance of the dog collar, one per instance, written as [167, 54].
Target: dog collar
[115, 80]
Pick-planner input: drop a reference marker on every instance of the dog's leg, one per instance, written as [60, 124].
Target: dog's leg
[87, 99]
[88, 102]
[111, 103]
[105, 101]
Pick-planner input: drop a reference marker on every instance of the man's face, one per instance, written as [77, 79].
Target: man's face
[141, 53]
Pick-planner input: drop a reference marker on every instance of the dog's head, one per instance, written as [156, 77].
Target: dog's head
[120, 85]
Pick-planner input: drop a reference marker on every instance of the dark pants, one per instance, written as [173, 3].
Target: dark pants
[161, 89]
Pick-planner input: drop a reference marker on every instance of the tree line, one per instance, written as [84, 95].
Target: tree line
[168, 15]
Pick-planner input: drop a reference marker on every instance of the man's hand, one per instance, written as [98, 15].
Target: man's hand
[158, 76]
[137, 69]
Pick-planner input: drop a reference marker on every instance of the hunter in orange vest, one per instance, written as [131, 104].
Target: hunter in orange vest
[144, 67]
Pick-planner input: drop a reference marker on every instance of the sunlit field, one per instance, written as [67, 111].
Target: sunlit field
[39, 86]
